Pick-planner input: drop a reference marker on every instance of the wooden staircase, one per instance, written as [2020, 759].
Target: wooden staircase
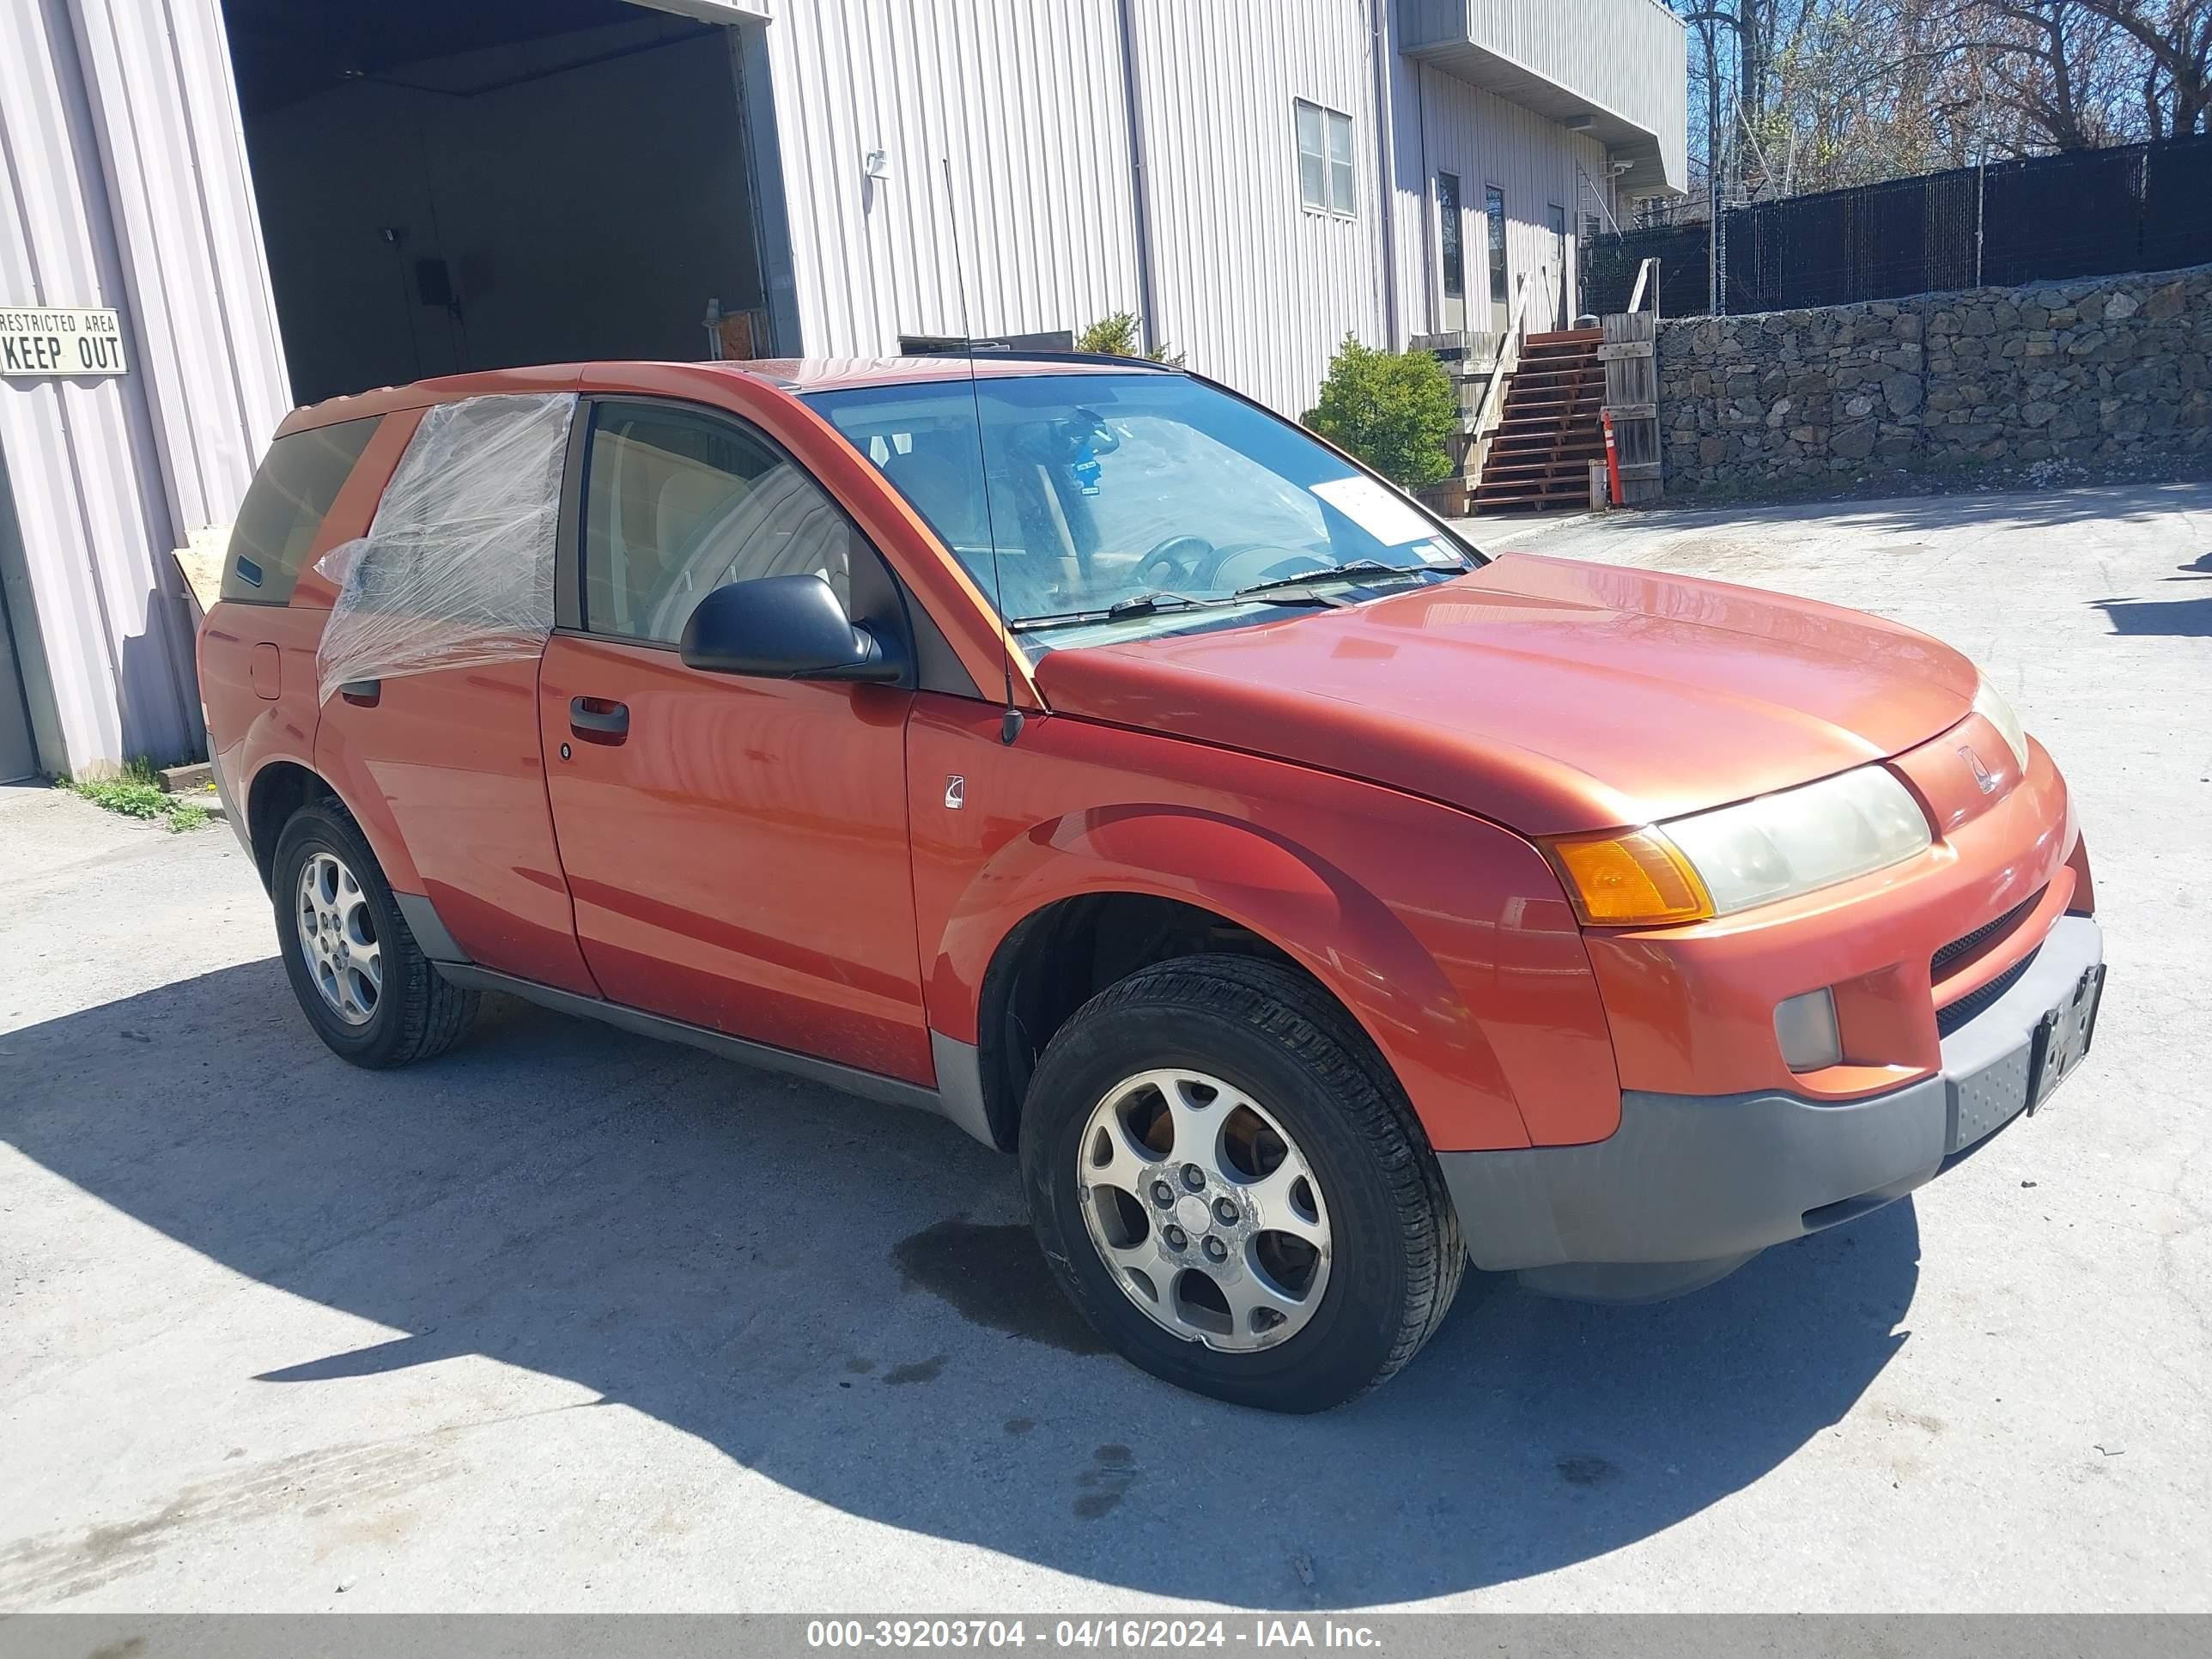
[1549, 432]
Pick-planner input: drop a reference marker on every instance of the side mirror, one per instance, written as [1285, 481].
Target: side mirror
[783, 628]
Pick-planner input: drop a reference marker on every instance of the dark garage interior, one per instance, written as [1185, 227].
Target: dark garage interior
[447, 185]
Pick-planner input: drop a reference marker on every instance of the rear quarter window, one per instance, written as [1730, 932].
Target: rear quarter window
[283, 509]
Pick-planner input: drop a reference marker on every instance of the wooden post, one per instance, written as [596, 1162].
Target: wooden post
[1632, 398]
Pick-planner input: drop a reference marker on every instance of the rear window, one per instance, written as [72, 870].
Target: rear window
[298, 479]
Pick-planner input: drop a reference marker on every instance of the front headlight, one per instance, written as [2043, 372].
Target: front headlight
[1989, 704]
[1714, 864]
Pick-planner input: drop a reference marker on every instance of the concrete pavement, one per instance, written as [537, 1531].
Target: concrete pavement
[571, 1321]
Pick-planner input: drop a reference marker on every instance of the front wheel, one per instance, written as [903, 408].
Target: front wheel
[1232, 1188]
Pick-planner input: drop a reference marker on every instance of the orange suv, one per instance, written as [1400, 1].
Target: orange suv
[1076, 750]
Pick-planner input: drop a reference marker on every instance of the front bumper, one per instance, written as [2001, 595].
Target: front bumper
[1690, 1188]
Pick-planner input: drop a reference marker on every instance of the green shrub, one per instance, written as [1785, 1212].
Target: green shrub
[1117, 337]
[1394, 410]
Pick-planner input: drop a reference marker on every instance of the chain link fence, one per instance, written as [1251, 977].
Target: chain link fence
[2081, 213]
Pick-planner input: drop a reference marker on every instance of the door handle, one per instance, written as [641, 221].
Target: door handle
[598, 719]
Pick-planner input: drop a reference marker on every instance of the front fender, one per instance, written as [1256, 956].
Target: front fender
[1446, 937]
[1286, 894]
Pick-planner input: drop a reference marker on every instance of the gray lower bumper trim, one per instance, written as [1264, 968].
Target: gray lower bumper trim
[1699, 1179]
[1687, 1178]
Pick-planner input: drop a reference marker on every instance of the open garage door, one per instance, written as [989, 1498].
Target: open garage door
[19, 751]
[456, 185]
[19, 748]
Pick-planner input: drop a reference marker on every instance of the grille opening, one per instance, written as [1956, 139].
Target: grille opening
[1967, 944]
[1951, 1018]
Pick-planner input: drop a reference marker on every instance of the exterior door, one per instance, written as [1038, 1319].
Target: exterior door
[1501, 296]
[1452, 245]
[445, 763]
[1563, 273]
[737, 847]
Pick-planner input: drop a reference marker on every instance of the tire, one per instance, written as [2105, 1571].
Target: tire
[1389, 1249]
[413, 1013]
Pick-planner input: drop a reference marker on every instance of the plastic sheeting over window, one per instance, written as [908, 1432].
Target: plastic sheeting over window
[457, 568]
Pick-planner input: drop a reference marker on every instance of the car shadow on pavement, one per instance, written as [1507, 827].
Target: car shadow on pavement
[2188, 618]
[839, 1296]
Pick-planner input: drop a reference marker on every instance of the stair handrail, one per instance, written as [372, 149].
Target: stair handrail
[1646, 272]
[1507, 355]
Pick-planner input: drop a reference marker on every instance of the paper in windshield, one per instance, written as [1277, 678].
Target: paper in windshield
[1377, 511]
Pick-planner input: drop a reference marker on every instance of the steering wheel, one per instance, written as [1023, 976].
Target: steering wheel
[1194, 561]
[1175, 561]
[1245, 562]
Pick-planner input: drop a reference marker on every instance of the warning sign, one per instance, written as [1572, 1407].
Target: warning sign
[63, 342]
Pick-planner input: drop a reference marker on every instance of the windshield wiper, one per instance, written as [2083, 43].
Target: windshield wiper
[1147, 604]
[1351, 570]
[1139, 604]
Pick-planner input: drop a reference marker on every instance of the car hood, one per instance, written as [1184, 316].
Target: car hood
[1547, 694]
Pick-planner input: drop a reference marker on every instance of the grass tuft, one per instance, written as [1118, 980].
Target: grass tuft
[137, 793]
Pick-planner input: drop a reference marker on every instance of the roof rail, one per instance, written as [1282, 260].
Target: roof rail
[1022, 355]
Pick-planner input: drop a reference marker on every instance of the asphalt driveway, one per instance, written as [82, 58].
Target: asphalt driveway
[568, 1320]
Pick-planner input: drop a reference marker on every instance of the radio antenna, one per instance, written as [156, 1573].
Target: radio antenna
[1009, 723]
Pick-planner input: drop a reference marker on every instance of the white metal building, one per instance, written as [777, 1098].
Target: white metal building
[281, 202]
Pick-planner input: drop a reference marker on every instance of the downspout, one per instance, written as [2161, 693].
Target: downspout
[1133, 107]
[1429, 282]
[1386, 156]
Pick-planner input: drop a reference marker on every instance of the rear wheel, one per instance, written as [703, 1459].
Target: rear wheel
[1232, 1188]
[364, 984]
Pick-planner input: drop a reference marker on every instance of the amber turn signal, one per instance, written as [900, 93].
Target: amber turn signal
[1633, 878]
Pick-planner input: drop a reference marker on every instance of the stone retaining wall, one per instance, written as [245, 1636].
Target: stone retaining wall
[2061, 380]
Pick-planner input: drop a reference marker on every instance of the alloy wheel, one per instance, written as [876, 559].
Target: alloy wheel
[1203, 1210]
[338, 937]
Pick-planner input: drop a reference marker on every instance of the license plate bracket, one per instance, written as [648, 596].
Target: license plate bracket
[2062, 1037]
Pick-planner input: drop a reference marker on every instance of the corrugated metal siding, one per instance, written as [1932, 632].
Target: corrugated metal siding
[1485, 140]
[1022, 97]
[1626, 56]
[1254, 288]
[120, 134]
[170, 127]
[1027, 97]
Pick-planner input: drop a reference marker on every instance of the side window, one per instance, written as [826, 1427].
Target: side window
[285, 506]
[677, 504]
[1313, 157]
[1342, 194]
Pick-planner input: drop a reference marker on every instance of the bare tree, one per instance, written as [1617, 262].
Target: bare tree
[1797, 94]
[1807, 95]
[2176, 37]
[2051, 63]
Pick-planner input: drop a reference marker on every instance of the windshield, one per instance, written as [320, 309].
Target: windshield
[1153, 492]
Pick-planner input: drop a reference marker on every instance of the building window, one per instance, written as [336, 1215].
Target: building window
[1494, 209]
[1448, 225]
[1325, 181]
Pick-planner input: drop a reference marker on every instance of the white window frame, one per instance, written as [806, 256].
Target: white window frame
[1328, 125]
